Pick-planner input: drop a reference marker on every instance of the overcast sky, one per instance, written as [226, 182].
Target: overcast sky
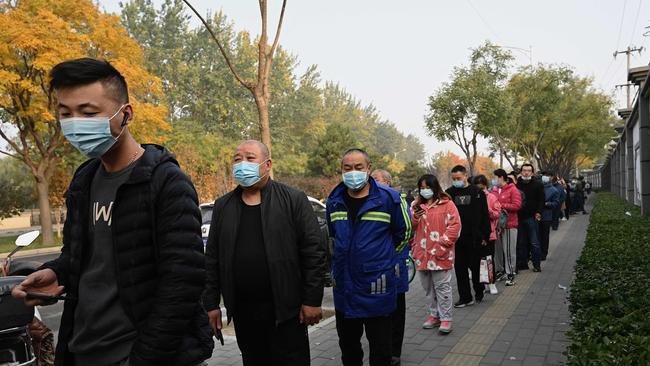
[394, 54]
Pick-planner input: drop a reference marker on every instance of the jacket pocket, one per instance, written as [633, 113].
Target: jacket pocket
[378, 277]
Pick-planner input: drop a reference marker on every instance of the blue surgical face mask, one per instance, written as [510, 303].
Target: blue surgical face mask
[355, 180]
[458, 183]
[91, 135]
[494, 182]
[426, 193]
[247, 174]
[546, 179]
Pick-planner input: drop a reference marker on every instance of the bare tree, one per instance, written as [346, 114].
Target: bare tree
[259, 88]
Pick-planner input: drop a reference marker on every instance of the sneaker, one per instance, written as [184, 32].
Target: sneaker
[563, 219]
[478, 300]
[537, 269]
[431, 322]
[493, 289]
[523, 268]
[445, 327]
[395, 361]
[510, 282]
[500, 276]
[462, 304]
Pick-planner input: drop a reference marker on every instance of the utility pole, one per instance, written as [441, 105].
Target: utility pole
[628, 52]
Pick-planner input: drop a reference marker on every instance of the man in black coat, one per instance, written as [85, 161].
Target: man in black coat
[132, 263]
[528, 240]
[475, 234]
[266, 259]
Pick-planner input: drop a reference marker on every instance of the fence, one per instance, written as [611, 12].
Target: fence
[626, 171]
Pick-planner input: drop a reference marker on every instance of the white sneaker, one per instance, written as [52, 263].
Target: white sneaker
[493, 289]
[563, 219]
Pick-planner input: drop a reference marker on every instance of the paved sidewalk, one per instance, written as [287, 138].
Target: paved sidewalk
[522, 325]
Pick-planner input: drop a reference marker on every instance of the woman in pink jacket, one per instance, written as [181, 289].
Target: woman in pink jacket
[494, 212]
[437, 226]
[510, 199]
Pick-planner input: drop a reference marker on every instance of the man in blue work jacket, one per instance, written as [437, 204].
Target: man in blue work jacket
[370, 224]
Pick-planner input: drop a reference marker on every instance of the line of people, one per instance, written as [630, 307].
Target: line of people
[139, 289]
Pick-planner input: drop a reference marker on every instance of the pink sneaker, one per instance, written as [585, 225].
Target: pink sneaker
[431, 322]
[445, 327]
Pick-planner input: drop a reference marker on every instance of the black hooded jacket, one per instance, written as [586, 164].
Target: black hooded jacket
[158, 258]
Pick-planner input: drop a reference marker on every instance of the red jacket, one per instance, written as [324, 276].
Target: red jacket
[494, 210]
[436, 233]
[510, 199]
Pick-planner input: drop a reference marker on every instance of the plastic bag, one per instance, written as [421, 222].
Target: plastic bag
[486, 274]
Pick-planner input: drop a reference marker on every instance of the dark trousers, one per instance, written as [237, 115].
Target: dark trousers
[397, 322]
[468, 257]
[528, 241]
[557, 212]
[378, 332]
[544, 237]
[262, 342]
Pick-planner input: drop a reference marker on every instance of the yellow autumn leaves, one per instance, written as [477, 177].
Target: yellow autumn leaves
[35, 35]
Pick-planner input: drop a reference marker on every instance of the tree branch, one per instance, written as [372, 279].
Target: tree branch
[277, 32]
[276, 41]
[244, 83]
[11, 155]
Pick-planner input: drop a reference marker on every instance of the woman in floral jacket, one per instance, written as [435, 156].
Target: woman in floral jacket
[437, 226]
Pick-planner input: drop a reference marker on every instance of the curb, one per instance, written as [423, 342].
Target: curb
[32, 252]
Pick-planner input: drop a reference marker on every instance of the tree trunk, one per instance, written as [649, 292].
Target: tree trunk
[265, 128]
[43, 188]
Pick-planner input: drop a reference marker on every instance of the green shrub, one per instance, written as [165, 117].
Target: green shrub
[610, 297]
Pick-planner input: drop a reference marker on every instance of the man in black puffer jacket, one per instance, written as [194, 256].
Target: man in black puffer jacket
[132, 262]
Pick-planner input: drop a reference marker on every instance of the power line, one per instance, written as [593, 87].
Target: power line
[620, 27]
[618, 40]
[487, 25]
[636, 19]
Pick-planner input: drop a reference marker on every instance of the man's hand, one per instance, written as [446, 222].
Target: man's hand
[215, 320]
[310, 315]
[538, 216]
[42, 282]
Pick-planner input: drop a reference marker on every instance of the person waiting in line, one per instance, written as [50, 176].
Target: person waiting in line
[370, 224]
[510, 198]
[265, 259]
[437, 225]
[383, 177]
[557, 211]
[551, 203]
[494, 212]
[472, 208]
[529, 216]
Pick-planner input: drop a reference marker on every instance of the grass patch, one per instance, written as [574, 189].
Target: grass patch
[610, 297]
[7, 244]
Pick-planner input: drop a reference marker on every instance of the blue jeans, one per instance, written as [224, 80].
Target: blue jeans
[528, 241]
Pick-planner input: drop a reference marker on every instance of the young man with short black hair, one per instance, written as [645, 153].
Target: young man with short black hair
[132, 262]
[474, 217]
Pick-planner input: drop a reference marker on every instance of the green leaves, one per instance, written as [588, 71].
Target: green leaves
[610, 297]
[472, 102]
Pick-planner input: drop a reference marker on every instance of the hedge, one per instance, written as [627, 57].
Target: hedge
[610, 296]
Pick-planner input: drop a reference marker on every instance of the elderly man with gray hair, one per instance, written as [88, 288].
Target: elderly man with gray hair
[399, 315]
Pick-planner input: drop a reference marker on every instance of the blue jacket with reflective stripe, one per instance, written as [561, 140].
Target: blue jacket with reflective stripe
[365, 256]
